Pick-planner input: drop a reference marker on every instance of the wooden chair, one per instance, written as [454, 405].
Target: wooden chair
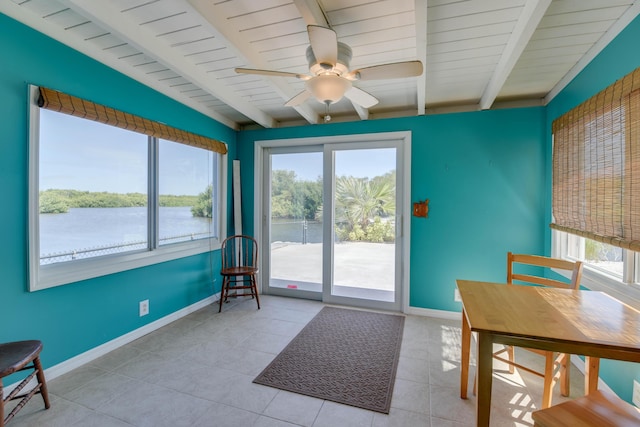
[15, 357]
[597, 409]
[239, 267]
[556, 364]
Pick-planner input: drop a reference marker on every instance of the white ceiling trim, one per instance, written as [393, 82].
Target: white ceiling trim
[528, 21]
[421, 49]
[612, 33]
[105, 14]
[223, 27]
[55, 32]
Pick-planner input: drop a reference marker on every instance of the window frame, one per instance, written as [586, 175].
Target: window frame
[58, 274]
[626, 290]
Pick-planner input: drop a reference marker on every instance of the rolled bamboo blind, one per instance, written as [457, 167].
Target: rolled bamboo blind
[64, 103]
[596, 166]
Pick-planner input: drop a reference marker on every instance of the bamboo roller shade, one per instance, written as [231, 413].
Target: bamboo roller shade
[64, 103]
[596, 166]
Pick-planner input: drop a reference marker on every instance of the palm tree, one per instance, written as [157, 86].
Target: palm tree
[360, 200]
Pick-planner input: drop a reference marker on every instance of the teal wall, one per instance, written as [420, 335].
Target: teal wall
[483, 174]
[75, 318]
[618, 59]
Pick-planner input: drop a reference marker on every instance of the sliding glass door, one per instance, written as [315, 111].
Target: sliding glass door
[331, 222]
[293, 225]
[362, 240]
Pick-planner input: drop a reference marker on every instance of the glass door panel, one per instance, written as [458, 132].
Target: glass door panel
[295, 222]
[364, 224]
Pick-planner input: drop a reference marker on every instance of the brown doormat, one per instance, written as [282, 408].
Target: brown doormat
[346, 356]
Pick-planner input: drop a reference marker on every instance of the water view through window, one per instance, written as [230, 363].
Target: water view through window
[94, 191]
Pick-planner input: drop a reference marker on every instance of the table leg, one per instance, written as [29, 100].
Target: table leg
[592, 368]
[466, 350]
[484, 374]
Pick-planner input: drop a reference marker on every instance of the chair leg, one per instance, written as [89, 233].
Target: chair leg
[511, 355]
[244, 283]
[254, 289]
[225, 279]
[42, 382]
[475, 383]
[547, 387]
[565, 379]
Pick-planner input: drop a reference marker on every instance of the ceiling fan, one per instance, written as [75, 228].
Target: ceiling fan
[330, 78]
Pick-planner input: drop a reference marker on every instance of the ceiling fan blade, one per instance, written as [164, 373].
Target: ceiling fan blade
[324, 43]
[298, 99]
[361, 97]
[271, 73]
[395, 70]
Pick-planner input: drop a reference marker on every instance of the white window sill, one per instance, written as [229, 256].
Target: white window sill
[63, 273]
[597, 281]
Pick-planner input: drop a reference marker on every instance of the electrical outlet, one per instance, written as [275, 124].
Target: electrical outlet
[144, 307]
[456, 295]
[636, 393]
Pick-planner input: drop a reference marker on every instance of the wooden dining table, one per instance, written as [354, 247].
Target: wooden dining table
[581, 322]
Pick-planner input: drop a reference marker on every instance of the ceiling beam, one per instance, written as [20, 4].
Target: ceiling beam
[532, 13]
[243, 48]
[29, 19]
[108, 16]
[421, 51]
[313, 14]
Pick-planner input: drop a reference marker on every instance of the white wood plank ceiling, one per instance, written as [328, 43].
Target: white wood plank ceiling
[477, 54]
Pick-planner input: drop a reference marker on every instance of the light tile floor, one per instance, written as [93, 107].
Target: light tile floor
[198, 371]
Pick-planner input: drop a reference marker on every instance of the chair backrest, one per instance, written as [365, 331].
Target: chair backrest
[575, 267]
[239, 250]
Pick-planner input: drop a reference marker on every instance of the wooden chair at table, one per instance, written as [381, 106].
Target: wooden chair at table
[556, 364]
[239, 266]
[20, 356]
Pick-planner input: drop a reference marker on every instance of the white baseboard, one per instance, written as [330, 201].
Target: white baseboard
[96, 352]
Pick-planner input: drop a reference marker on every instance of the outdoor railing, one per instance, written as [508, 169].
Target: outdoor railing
[304, 231]
[113, 249]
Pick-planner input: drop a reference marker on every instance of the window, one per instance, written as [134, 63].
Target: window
[607, 268]
[92, 189]
[596, 188]
[602, 257]
[105, 199]
[185, 170]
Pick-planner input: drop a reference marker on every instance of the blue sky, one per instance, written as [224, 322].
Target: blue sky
[106, 158]
[357, 163]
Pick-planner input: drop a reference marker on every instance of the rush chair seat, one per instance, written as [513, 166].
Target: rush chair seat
[239, 267]
[597, 409]
[556, 364]
[19, 356]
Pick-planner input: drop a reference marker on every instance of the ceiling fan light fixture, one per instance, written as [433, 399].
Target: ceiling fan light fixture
[328, 89]
[329, 78]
